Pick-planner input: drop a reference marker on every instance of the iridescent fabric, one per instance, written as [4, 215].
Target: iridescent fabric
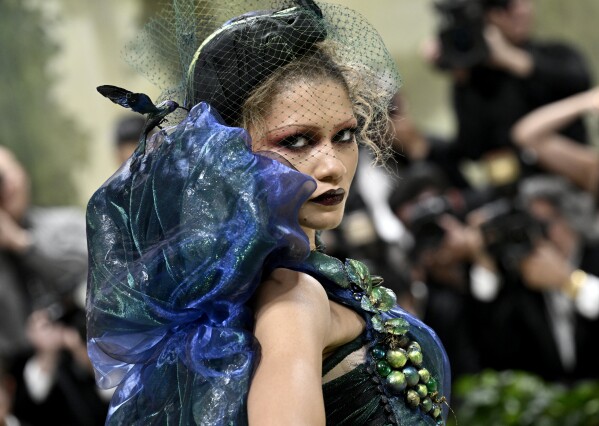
[176, 250]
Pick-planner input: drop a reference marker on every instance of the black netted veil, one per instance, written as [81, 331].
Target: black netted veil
[168, 50]
[246, 51]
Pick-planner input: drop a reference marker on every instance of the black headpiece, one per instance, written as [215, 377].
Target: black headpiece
[245, 51]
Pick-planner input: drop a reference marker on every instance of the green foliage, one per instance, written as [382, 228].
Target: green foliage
[31, 123]
[515, 398]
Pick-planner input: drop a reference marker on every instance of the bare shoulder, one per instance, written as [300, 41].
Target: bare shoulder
[292, 316]
[291, 303]
[285, 285]
[292, 322]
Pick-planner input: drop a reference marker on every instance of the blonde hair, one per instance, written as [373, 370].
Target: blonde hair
[370, 105]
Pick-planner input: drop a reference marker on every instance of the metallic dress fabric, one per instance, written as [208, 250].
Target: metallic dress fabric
[176, 250]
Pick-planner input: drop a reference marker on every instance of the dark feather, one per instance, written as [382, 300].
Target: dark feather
[138, 102]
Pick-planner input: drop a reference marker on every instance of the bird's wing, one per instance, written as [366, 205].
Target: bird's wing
[138, 102]
[118, 95]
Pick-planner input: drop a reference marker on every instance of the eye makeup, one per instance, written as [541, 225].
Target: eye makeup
[297, 138]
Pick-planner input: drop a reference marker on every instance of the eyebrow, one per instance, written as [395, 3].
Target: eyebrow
[337, 127]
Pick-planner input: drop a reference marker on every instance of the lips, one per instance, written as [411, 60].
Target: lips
[330, 198]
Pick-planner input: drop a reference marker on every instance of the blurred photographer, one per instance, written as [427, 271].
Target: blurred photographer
[44, 252]
[433, 210]
[43, 271]
[499, 73]
[126, 136]
[537, 309]
[7, 390]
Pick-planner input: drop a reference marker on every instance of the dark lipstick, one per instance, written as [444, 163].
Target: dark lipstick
[330, 198]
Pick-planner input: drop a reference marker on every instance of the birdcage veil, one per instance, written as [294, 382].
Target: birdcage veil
[219, 52]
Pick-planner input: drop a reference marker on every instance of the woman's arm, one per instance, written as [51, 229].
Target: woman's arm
[537, 131]
[292, 323]
[549, 119]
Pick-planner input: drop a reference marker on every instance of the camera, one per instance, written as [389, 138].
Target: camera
[460, 33]
[510, 234]
[424, 225]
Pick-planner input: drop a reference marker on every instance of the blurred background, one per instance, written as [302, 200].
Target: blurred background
[55, 53]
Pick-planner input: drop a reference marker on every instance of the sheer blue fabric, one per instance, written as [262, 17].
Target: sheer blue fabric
[176, 250]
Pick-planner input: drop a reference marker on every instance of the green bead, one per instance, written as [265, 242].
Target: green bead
[397, 358]
[397, 326]
[431, 385]
[412, 398]
[403, 341]
[424, 374]
[436, 411]
[414, 346]
[378, 352]
[422, 390]
[383, 368]
[427, 404]
[396, 382]
[415, 356]
[412, 376]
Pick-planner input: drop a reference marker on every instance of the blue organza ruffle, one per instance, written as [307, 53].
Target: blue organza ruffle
[176, 250]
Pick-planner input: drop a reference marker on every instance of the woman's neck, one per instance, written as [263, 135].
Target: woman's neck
[311, 233]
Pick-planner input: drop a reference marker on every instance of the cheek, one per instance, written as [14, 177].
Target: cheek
[350, 160]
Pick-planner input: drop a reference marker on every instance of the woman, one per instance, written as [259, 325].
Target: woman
[210, 300]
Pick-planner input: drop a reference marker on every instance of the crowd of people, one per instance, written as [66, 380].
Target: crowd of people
[42, 327]
[505, 270]
[45, 371]
[506, 273]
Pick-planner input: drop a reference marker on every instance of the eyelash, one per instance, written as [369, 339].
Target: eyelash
[341, 137]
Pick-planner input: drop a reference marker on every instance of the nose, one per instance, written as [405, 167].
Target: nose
[328, 167]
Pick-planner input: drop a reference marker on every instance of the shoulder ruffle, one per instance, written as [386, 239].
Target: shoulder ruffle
[176, 249]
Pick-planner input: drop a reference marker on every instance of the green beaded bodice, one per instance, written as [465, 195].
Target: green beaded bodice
[395, 384]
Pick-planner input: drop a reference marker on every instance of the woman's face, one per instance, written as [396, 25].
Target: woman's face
[312, 125]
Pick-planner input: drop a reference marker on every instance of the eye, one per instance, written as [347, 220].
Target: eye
[297, 141]
[346, 135]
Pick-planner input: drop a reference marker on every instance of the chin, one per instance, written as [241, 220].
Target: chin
[321, 218]
[323, 222]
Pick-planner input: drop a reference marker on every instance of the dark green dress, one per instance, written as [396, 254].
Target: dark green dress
[396, 371]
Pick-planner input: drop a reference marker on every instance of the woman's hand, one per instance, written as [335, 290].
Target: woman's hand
[545, 268]
[505, 55]
[13, 237]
